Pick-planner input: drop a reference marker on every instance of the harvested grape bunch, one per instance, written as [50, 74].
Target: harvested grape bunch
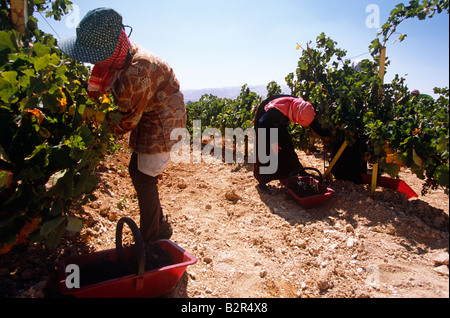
[303, 189]
[102, 269]
[156, 257]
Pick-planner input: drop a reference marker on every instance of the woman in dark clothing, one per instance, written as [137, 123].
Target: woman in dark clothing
[349, 167]
[277, 112]
[352, 163]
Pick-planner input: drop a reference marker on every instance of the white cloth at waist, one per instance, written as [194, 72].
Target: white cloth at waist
[153, 164]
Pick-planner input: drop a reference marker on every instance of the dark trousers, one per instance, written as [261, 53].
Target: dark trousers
[288, 161]
[149, 203]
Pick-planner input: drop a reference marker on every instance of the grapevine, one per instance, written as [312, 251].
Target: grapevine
[397, 128]
[52, 134]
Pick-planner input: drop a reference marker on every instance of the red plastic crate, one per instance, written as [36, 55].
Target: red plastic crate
[311, 201]
[154, 283]
[394, 184]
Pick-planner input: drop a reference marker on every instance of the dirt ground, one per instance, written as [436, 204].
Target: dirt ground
[255, 244]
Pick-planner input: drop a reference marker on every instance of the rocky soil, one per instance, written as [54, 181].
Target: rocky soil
[253, 244]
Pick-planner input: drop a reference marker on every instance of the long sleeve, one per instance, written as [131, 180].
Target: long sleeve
[317, 128]
[273, 118]
[132, 93]
[148, 97]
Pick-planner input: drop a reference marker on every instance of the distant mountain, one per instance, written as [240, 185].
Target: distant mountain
[226, 92]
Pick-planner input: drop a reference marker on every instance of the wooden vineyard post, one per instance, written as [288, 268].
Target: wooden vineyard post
[336, 158]
[19, 15]
[382, 73]
[382, 65]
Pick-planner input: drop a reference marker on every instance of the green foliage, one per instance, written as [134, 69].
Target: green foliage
[52, 135]
[417, 137]
[420, 9]
[222, 113]
[55, 8]
[342, 95]
[207, 110]
[353, 104]
[239, 114]
[49, 148]
[415, 9]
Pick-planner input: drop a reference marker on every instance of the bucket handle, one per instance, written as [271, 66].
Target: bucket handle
[138, 240]
[303, 170]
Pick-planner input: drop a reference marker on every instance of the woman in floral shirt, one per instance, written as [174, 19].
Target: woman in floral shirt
[148, 96]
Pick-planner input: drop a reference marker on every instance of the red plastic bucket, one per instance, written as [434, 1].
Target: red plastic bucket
[148, 284]
[313, 201]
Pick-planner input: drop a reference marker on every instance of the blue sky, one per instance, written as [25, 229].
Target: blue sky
[220, 43]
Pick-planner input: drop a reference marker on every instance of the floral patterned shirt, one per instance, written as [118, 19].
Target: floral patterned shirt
[149, 98]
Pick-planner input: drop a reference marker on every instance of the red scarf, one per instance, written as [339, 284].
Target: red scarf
[106, 72]
[298, 110]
